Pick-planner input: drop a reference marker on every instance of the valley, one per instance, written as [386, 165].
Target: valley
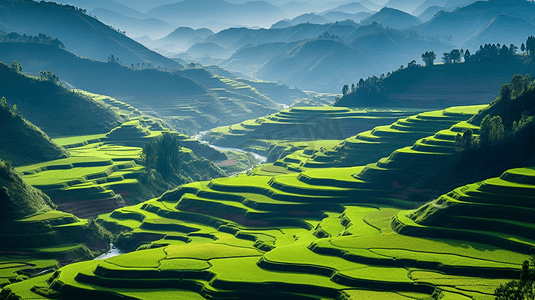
[224, 149]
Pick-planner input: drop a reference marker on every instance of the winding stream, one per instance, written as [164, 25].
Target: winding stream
[260, 158]
[110, 253]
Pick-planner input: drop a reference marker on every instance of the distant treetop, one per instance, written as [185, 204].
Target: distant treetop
[39, 39]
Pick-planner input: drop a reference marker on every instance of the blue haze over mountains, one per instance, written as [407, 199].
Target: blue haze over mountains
[297, 43]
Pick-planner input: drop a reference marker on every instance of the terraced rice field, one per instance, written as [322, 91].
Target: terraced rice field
[250, 243]
[324, 233]
[371, 145]
[300, 128]
[39, 243]
[101, 172]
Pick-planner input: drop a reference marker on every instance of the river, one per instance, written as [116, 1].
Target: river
[198, 136]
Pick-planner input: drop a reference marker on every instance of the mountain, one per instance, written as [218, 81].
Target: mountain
[250, 59]
[143, 5]
[464, 22]
[308, 18]
[23, 142]
[307, 65]
[188, 104]
[210, 49]
[390, 17]
[443, 85]
[79, 32]
[180, 40]
[335, 16]
[19, 200]
[427, 3]
[53, 108]
[194, 13]
[110, 5]
[504, 29]
[134, 27]
[431, 11]
[294, 8]
[404, 5]
[351, 8]
[371, 5]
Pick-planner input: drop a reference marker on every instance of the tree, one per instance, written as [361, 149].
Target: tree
[345, 89]
[163, 155]
[467, 55]
[353, 88]
[446, 58]
[412, 64]
[491, 131]
[49, 76]
[465, 141]
[504, 51]
[17, 67]
[429, 58]
[505, 92]
[455, 55]
[523, 289]
[523, 48]
[530, 46]
[512, 49]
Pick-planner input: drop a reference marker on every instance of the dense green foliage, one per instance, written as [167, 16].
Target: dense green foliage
[522, 289]
[486, 65]
[17, 199]
[40, 39]
[163, 154]
[22, 142]
[53, 108]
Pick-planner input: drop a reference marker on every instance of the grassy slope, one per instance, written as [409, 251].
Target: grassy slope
[54, 109]
[298, 128]
[24, 143]
[34, 236]
[447, 85]
[190, 100]
[308, 234]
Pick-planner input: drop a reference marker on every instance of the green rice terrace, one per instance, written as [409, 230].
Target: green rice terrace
[229, 237]
[371, 145]
[102, 172]
[330, 232]
[300, 127]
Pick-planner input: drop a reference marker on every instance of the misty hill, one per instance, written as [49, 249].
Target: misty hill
[210, 49]
[182, 101]
[334, 16]
[195, 13]
[389, 17]
[181, 39]
[442, 85]
[427, 3]
[308, 18]
[114, 6]
[502, 28]
[53, 108]
[22, 142]
[431, 11]
[17, 199]
[351, 8]
[263, 60]
[464, 22]
[81, 34]
[134, 27]
[370, 5]
[404, 5]
[316, 65]
[235, 38]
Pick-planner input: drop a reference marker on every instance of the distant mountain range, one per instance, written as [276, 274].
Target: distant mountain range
[79, 32]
